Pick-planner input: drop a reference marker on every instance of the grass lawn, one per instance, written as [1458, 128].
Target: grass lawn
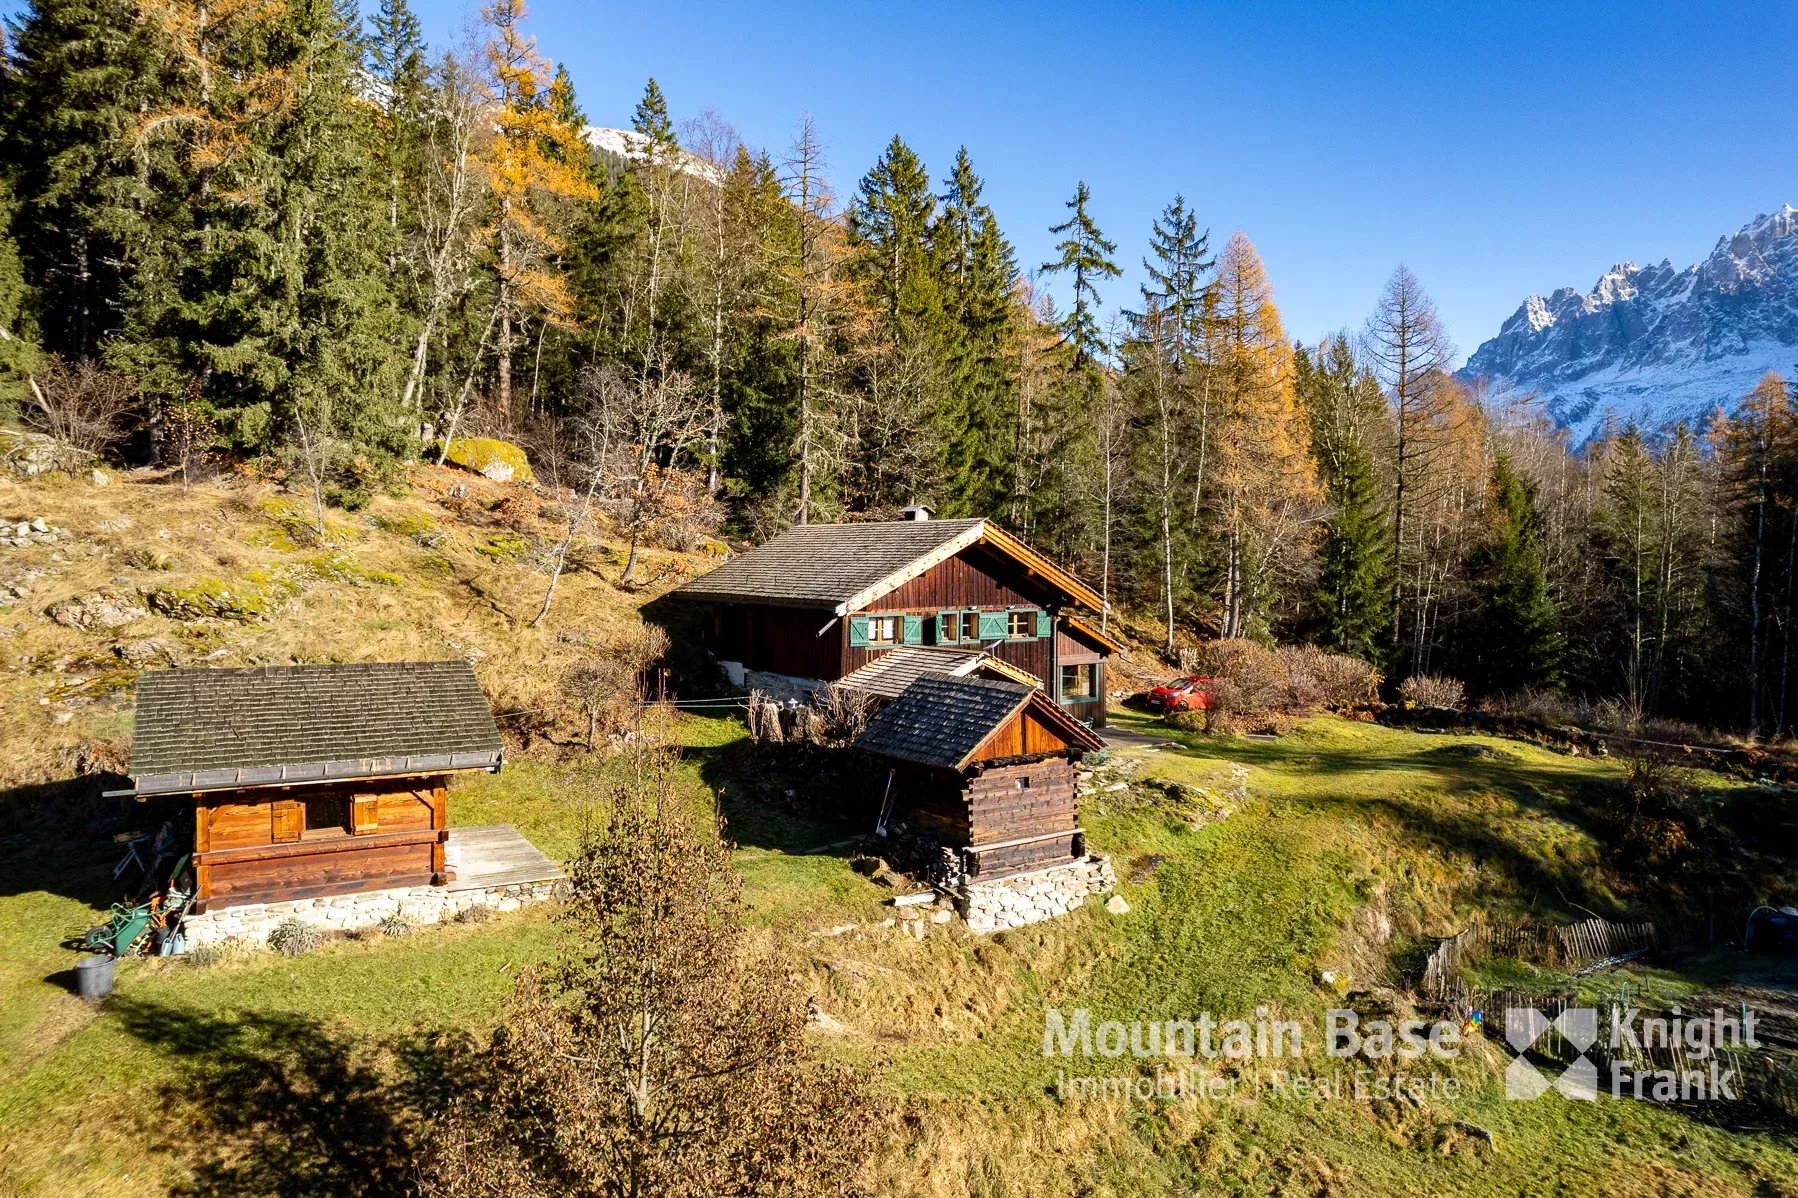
[272, 1075]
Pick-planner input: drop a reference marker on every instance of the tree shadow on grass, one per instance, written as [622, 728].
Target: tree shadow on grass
[278, 1104]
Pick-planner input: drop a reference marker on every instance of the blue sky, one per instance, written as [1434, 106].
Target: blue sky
[1498, 149]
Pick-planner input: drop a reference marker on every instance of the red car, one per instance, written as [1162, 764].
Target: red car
[1191, 693]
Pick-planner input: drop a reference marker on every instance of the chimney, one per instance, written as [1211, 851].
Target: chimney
[916, 511]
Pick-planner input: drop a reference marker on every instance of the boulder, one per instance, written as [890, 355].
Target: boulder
[501, 461]
[102, 609]
[1116, 905]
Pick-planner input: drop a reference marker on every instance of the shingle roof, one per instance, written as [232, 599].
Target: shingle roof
[940, 721]
[892, 671]
[827, 565]
[201, 729]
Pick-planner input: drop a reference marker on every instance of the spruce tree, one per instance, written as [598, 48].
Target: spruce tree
[979, 273]
[889, 225]
[650, 118]
[83, 72]
[1514, 642]
[1086, 255]
[1352, 605]
[1178, 267]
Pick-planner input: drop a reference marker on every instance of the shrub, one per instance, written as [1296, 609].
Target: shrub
[292, 937]
[82, 405]
[1657, 811]
[1432, 690]
[207, 954]
[1344, 682]
[478, 914]
[1249, 677]
[397, 925]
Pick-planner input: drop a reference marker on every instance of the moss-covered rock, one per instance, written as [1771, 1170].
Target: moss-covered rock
[210, 598]
[501, 461]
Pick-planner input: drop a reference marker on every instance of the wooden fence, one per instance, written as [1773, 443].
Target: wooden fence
[1572, 946]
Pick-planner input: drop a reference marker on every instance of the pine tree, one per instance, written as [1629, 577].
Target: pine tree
[1515, 643]
[1086, 255]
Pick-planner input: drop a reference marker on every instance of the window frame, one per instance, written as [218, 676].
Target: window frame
[1013, 618]
[895, 625]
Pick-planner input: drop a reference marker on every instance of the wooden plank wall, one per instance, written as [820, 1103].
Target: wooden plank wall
[253, 845]
[1002, 807]
[1025, 735]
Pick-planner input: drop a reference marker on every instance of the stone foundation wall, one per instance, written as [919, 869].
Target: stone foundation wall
[252, 922]
[1035, 896]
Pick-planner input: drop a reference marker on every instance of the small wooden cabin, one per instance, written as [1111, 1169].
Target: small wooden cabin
[986, 768]
[821, 602]
[307, 781]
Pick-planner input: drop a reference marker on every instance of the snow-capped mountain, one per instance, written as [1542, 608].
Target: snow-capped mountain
[628, 144]
[1654, 344]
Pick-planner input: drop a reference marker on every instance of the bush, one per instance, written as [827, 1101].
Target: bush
[1432, 690]
[1344, 682]
[478, 914]
[1256, 688]
[207, 954]
[397, 925]
[1657, 811]
[292, 937]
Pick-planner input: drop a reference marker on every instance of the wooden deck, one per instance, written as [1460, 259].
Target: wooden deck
[495, 855]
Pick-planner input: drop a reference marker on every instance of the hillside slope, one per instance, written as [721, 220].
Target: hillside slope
[142, 573]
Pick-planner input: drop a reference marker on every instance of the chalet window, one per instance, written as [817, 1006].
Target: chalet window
[327, 814]
[1079, 682]
[1024, 782]
[1020, 625]
[884, 630]
[957, 627]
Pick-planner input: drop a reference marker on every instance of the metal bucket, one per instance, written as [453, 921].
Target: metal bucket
[93, 976]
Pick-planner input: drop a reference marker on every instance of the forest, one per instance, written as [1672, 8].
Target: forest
[291, 237]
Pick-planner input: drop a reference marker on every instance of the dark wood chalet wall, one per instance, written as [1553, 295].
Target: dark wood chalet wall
[780, 640]
[255, 845]
[974, 580]
[1012, 801]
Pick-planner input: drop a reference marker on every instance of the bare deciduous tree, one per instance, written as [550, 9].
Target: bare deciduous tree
[657, 1053]
[81, 404]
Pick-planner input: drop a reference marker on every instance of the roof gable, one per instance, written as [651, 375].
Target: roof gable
[205, 729]
[944, 722]
[846, 567]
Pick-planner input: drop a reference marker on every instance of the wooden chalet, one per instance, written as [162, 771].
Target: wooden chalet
[306, 781]
[822, 601]
[985, 769]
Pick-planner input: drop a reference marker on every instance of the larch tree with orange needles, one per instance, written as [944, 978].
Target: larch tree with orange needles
[534, 166]
[1268, 501]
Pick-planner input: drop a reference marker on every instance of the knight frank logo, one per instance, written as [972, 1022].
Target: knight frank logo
[1525, 1026]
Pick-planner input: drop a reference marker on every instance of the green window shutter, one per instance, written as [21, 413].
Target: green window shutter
[993, 626]
[1044, 625]
[858, 632]
[946, 627]
[914, 630]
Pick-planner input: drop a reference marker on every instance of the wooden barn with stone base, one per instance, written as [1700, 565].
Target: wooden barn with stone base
[322, 793]
[982, 788]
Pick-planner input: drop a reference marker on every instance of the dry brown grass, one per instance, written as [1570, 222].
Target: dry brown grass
[451, 568]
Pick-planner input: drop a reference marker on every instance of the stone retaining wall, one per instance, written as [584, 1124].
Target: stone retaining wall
[1035, 896]
[253, 922]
